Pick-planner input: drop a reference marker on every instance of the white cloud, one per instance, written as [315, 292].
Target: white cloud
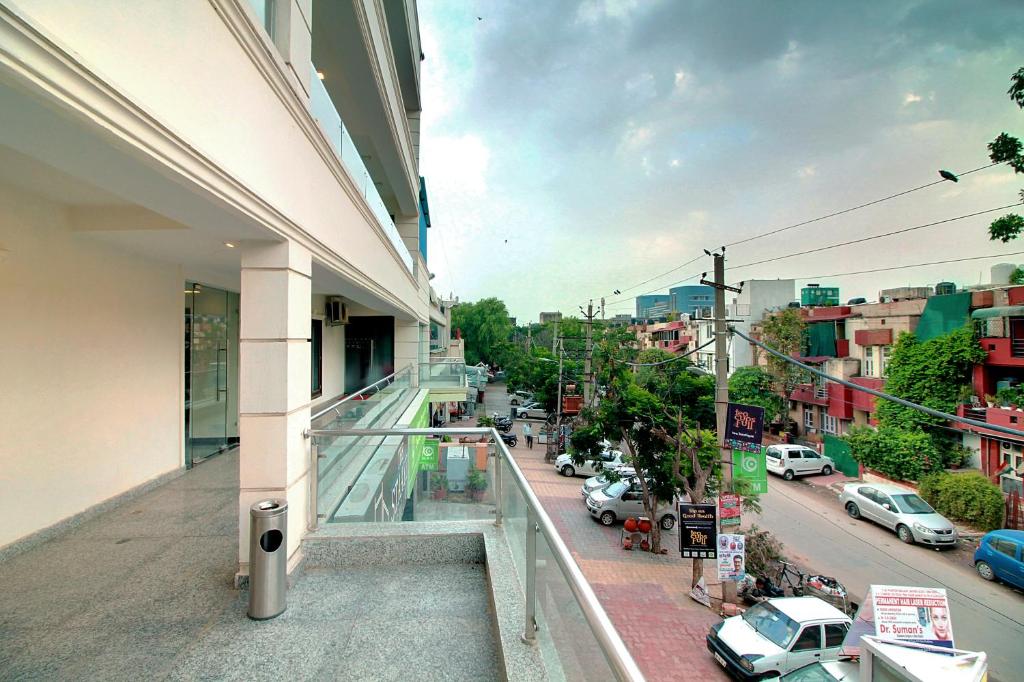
[642, 86]
[680, 79]
[806, 171]
[911, 98]
[674, 163]
[593, 11]
[789, 62]
[636, 137]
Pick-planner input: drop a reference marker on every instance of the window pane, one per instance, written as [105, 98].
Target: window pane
[834, 634]
[1004, 547]
[810, 638]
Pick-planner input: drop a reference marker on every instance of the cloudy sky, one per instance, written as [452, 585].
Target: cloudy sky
[575, 148]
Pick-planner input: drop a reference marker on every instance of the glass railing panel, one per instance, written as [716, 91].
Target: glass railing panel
[565, 639]
[513, 518]
[463, 486]
[443, 373]
[323, 110]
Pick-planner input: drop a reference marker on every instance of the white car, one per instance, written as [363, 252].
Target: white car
[623, 499]
[520, 397]
[597, 482]
[530, 410]
[609, 459]
[900, 510]
[790, 461]
[778, 635]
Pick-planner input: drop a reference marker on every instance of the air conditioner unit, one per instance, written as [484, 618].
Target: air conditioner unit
[335, 312]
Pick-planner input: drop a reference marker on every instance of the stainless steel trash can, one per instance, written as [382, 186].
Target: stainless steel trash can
[268, 558]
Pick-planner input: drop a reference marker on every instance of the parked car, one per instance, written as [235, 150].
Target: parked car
[790, 461]
[777, 636]
[520, 397]
[609, 459]
[900, 510]
[597, 482]
[622, 499]
[530, 410]
[999, 556]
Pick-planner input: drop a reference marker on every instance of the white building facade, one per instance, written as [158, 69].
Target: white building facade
[196, 250]
[749, 307]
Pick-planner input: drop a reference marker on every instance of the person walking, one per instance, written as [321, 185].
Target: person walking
[528, 435]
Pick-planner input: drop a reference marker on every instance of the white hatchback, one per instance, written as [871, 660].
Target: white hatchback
[609, 459]
[777, 636]
[790, 461]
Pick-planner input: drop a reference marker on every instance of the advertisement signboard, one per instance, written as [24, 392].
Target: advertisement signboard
[744, 423]
[429, 455]
[731, 557]
[751, 467]
[729, 509]
[912, 614]
[698, 528]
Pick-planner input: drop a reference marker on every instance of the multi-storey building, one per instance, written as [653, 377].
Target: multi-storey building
[198, 250]
[690, 299]
[757, 298]
[651, 306]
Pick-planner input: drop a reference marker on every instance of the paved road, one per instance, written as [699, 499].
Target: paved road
[818, 534]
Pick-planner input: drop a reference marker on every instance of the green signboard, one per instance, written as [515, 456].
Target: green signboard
[429, 454]
[751, 466]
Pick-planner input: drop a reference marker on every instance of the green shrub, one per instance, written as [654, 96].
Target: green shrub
[899, 454]
[968, 497]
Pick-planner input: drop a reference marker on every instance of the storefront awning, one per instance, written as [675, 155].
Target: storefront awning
[1001, 311]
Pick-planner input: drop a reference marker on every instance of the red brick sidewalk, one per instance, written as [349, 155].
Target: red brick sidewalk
[645, 595]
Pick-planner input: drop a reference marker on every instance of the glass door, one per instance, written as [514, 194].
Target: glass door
[211, 348]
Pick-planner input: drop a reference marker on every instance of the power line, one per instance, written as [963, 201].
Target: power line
[808, 222]
[672, 359]
[877, 236]
[855, 208]
[880, 394]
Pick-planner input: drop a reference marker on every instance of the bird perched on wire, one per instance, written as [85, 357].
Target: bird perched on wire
[946, 175]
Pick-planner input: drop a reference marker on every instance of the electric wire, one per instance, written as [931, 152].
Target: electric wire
[881, 394]
[813, 220]
[665, 362]
[873, 237]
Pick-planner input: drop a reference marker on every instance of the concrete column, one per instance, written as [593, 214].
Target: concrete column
[409, 230]
[274, 391]
[407, 346]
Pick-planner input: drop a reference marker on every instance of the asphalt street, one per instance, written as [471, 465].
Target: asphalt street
[820, 536]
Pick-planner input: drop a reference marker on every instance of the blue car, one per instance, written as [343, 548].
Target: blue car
[999, 556]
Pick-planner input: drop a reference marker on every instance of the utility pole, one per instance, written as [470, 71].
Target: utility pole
[588, 378]
[529, 337]
[722, 389]
[558, 405]
[554, 340]
[602, 308]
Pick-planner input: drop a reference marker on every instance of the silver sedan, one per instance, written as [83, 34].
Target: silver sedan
[900, 510]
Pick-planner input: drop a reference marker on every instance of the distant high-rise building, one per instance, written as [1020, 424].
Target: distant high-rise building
[653, 305]
[690, 298]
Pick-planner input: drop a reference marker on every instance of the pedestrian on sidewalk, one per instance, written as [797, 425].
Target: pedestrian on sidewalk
[528, 435]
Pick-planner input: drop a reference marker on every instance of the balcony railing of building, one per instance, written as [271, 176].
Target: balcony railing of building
[443, 373]
[467, 482]
[324, 111]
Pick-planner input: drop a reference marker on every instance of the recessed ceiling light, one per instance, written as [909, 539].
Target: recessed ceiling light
[320, 75]
[229, 245]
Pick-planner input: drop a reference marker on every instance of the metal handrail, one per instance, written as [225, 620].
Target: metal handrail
[615, 651]
[391, 378]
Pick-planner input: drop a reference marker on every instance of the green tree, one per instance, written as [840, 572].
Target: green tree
[679, 383]
[1008, 149]
[1017, 276]
[486, 328]
[784, 331]
[932, 373]
[755, 386]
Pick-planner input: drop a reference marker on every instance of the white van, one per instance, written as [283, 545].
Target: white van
[790, 461]
[624, 499]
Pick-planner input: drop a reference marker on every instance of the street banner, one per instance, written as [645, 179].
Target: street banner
[429, 455]
[751, 467]
[912, 614]
[731, 557]
[698, 528]
[744, 423]
[729, 509]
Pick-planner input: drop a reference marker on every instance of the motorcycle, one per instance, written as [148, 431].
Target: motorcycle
[503, 424]
[509, 439]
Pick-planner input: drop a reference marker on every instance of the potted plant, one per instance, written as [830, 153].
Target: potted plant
[476, 484]
[990, 400]
[439, 485]
[1005, 396]
[485, 422]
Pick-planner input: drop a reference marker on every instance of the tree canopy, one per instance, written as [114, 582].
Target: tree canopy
[755, 386]
[486, 328]
[1006, 148]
